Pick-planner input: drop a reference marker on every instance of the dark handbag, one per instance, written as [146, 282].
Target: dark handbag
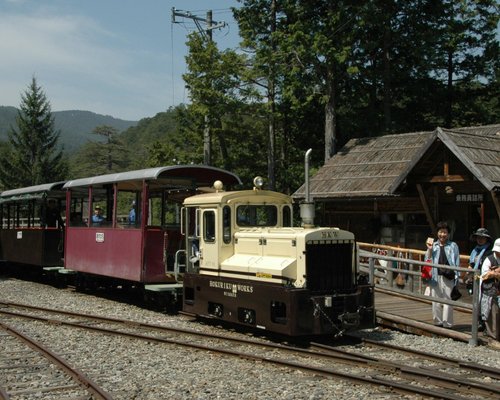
[490, 287]
[455, 293]
[447, 273]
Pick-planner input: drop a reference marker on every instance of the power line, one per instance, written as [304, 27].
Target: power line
[206, 33]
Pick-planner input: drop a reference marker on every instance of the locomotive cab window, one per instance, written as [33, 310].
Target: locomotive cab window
[257, 215]
[226, 224]
[209, 226]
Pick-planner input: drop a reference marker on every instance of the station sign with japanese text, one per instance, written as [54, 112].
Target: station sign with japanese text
[469, 198]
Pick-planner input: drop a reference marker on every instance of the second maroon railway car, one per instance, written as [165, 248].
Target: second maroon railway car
[31, 220]
[126, 226]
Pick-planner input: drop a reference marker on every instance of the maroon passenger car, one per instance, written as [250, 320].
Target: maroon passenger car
[126, 226]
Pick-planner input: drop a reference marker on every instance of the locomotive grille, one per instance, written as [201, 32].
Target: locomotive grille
[329, 267]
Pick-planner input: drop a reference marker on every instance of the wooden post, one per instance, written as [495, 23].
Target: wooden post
[425, 205]
[495, 202]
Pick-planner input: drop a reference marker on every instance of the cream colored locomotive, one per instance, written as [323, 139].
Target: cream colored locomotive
[248, 264]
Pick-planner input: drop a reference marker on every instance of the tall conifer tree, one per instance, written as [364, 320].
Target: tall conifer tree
[32, 155]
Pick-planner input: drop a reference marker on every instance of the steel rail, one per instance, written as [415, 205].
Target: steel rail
[421, 375]
[79, 376]
[155, 327]
[474, 367]
[392, 385]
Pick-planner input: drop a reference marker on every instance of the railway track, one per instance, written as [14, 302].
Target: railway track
[420, 375]
[31, 370]
[446, 362]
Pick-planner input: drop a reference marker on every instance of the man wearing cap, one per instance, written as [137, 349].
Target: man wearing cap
[97, 218]
[477, 256]
[490, 286]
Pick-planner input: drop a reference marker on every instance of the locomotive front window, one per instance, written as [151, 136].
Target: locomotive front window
[257, 215]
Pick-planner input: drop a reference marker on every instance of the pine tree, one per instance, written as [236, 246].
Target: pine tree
[97, 158]
[32, 155]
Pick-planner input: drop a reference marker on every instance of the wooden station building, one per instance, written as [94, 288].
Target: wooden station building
[393, 189]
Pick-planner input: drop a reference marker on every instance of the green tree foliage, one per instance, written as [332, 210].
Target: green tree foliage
[466, 49]
[32, 155]
[317, 73]
[178, 145]
[369, 68]
[138, 139]
[289, 43]
[214, 87]
[97, 158]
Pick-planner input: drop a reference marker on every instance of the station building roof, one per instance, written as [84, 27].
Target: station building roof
[381, 166]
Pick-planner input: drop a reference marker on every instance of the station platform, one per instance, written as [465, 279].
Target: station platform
[414, 315]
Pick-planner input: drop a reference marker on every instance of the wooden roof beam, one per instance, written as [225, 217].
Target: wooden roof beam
[495, 202]
[443, 179]
[446, 164]
[447, 178]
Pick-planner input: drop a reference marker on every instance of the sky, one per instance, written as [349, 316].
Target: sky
[123, 58]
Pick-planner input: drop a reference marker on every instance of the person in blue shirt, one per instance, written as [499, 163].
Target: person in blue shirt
[97, 218]
[131, 214]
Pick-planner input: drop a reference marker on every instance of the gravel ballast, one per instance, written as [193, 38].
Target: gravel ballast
[132, 369]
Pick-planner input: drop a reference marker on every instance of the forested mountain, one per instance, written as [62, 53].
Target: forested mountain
[76, 126]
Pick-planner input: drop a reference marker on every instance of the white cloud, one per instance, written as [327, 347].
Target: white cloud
[79, 64]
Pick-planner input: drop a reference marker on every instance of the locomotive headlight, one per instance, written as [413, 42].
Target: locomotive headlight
[258, 182]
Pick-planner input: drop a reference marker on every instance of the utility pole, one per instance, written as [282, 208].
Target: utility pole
[206, 33]
[271, 97]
